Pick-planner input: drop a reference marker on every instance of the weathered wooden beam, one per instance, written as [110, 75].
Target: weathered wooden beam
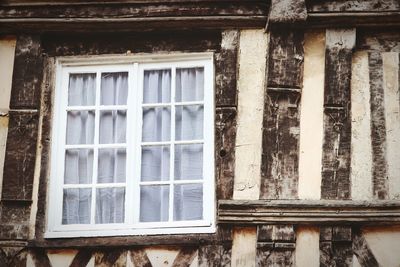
[354, 5]
[287, 12]
[337, 116]
[362, 251]
[336, 246]
[279, 161]
[275, 245]
[225, 138]
[320, 212]
[378, 127]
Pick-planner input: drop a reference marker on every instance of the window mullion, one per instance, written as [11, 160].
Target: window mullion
[136, 142]
[172, 148]
[95, 148]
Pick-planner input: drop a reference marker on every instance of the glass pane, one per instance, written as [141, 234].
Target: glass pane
[155, 163]
[157, 86]
[78, 166]
[112, 166]
[156, 124]
[114, 88]
[189, 122]
[188, 202]
[154, 203]
[82, 89]
[76, 206]
[188, 162]
[189, 84]
[80, 127]
[112, 126]
[110, 205]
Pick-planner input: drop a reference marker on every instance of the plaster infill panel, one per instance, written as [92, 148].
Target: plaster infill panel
[361, 149]
[252, 64]
[311, 116]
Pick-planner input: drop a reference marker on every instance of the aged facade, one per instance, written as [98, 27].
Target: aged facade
[285, 151]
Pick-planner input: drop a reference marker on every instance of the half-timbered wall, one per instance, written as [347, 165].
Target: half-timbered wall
[307, 121]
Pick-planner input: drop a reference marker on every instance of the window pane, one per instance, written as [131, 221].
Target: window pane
[82, 89]
[157, 86]
[155, 163]
[76, 206]
[188, 162]
[110, 205]
[156, 124]
[189, 84]
[114, 88]
[112, 166]
[80, 127]
[154, 203]
[188, 202]
[78, 166]
[112, 126]
[189, 122]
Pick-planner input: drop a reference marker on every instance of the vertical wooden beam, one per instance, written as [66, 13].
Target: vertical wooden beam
[23, 128]
[337, 115]
[219, 253]
[378, 126]
[335, 242]
[280, 148]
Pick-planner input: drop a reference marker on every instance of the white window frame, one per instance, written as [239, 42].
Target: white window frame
[134, 65]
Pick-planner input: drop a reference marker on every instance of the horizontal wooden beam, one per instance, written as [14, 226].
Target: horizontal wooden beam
[319, 212]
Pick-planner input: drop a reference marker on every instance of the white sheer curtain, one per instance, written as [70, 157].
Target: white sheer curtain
[188, 161]
[111, 162]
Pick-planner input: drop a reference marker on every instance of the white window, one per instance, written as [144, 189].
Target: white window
[133, 146]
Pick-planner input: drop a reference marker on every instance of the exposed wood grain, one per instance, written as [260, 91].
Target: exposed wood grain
[45, 143]
[115, 258]
[215, 255]
[287, 11]
[226, 70]
[20, 155]
[82, 258]
[275, 245]
[225, 137]
[362, 251]
[185, 257]
[279, 165]
[378, 127]
[320, 212]
[140, 259]
[352, 5]
[27, 75]
[337, 116]
[336, 246]
[335, 242]
[40, 258]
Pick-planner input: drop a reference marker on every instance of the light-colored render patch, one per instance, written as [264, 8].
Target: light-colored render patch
[161, 257]
[7, 52]
[361, 150]
[61, 258]
[384, 244]
[307, 247]
[311, 116]
[29, 261]
[244, 247]
[252, 60]
[392, 114]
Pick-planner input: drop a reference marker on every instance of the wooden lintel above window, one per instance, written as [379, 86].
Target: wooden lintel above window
[303, 212]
